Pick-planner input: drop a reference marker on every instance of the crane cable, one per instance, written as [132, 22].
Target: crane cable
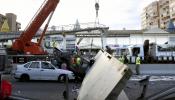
[97, 9]
[96, 19]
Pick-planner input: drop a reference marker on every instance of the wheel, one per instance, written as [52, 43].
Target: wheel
[62, 78]
[24, 78]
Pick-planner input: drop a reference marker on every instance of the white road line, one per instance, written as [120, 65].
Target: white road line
[153, 78]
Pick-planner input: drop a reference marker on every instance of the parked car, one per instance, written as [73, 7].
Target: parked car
[40, 70]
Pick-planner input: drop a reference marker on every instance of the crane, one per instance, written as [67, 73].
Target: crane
[23, 43]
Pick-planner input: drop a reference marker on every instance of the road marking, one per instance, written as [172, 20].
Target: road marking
[152, 78]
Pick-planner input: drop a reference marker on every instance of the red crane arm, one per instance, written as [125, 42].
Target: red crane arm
[25, 38]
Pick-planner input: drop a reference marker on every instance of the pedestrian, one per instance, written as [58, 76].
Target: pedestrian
[138, 62]
[64, 66]
[73, 61]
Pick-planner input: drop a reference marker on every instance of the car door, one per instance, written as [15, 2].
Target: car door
[48, 72]
[34, 71]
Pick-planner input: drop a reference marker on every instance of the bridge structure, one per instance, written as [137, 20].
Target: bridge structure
[72, 29]
[101, 33]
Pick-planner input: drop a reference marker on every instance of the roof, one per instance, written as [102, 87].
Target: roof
[88, 46]
[155, 30]
[125, 32]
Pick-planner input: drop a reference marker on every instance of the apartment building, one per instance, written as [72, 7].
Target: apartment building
[158, 14]
[150, 16]
[164, 13]
[11, 18]
[172, 10]
[2, 18]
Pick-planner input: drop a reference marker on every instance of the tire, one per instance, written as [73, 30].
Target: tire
[24, 78]
[62, 78]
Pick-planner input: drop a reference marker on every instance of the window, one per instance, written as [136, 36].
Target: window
[136, 51]
[164, 23]
[46, 65]
[27, 65]
[164, 9]
[161, 15]
[166, 49]
[34, 65]
[122, 51]
[47, 45]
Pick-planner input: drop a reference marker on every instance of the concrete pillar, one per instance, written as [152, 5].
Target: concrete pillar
[103, 38]
[64, 43]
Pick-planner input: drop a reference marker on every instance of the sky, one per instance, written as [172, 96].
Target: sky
[115, 14]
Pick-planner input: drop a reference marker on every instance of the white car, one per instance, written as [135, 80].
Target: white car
[40, 70]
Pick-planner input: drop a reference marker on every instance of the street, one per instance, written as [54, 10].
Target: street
[52, 90]
[40, 90]
[161, 77]
[155, 69]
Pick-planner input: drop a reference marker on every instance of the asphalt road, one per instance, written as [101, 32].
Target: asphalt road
[162, 77]
[41, 90]
[155, 69]
[51, 90]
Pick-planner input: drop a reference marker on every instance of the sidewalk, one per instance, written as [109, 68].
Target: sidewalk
[133, 89]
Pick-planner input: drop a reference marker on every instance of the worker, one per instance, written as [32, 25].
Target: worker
[138, 62]
[73, 62]
[54, 44]
[64, 66]
[108, 49]
[126, 61]
[121, 59]
[78, 61]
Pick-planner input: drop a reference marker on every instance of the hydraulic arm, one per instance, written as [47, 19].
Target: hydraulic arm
[23, 43]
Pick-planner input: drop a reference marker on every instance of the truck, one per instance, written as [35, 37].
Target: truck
[149, 53]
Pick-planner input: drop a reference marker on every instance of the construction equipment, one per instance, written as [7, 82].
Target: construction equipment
[23, 44]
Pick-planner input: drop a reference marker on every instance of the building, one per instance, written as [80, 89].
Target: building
[13, 24]
[172, 10]
[2, 19]
[164, 13]
[150, 16]
[157, 14]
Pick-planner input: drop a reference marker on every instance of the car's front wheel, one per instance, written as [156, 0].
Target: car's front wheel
[62, 78]
[24, 78]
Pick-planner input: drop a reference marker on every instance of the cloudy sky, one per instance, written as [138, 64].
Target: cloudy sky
[116, 14]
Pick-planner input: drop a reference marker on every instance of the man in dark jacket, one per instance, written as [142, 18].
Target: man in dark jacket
[108, 49]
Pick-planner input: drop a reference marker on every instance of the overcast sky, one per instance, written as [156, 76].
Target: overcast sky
[116, 14]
